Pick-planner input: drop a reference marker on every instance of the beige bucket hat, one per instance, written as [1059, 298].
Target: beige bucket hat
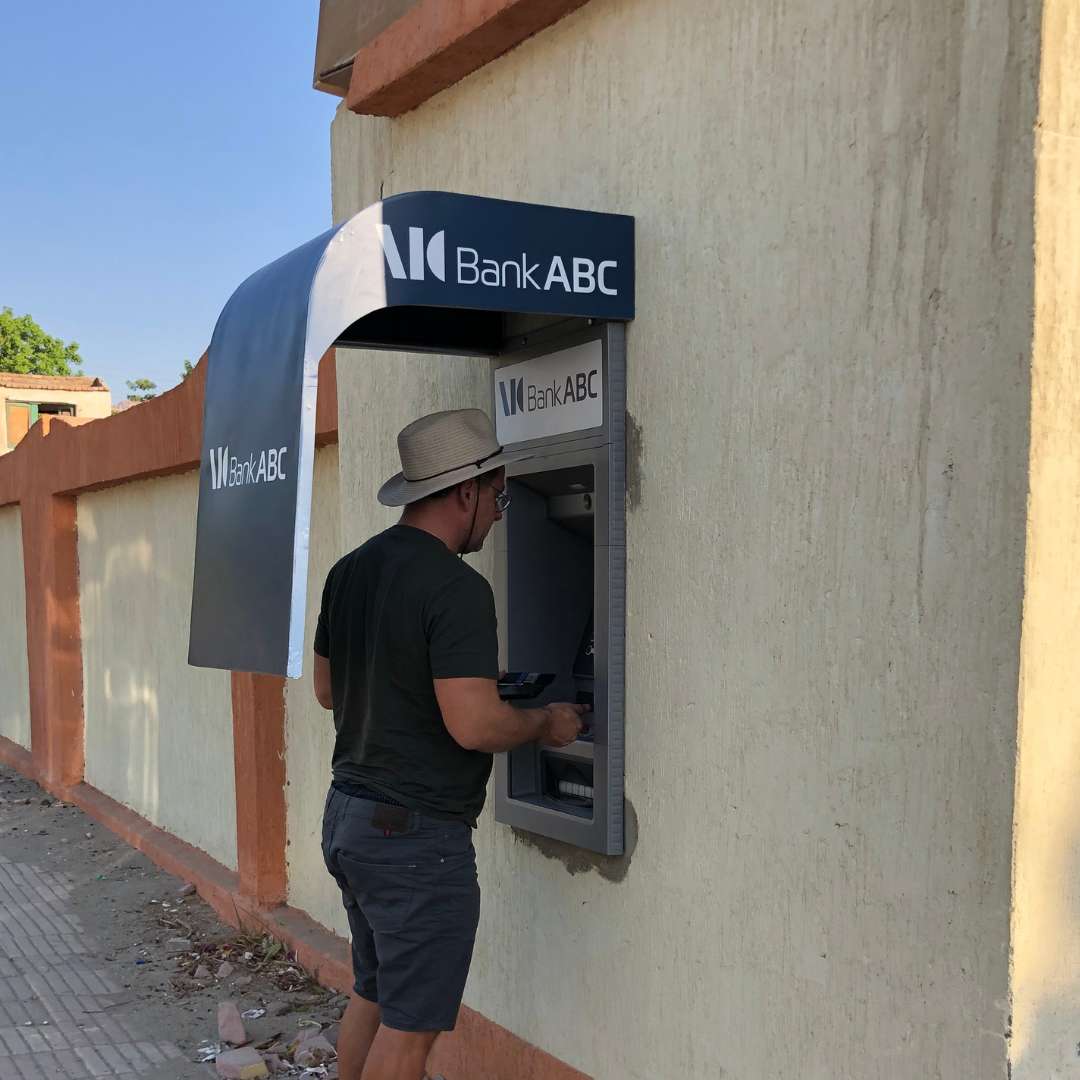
[442, 449]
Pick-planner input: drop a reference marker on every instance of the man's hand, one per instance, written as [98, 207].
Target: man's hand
[564, 723]
[477, 720]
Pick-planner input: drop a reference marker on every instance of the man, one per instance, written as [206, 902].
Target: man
[406, 655]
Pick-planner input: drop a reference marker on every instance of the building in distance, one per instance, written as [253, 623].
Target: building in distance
[26, 398]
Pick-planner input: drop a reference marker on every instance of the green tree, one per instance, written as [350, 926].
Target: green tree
[26, 349]
[189, 367]
[141, 389]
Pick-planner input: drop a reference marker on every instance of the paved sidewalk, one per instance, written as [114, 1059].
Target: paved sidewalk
[60, 1013]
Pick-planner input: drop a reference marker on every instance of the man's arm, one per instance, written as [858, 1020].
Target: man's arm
[320, 676]
[478, 720]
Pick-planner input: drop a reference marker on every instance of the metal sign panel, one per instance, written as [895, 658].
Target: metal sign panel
[551, 395]
[423, 250]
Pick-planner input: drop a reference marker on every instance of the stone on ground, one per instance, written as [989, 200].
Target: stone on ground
[243, 1064]
[314, 1051]
[230, 1024]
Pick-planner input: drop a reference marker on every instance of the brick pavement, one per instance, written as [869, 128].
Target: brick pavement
[60, 1013]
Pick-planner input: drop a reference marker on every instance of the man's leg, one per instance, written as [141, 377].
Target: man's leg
[414, 904]
[358, 1027]
[398, 1055]
[362, 1015]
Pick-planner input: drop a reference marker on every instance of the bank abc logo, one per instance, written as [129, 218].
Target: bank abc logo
[512, 392]
[517, 396]
[433, 254]
[571, 274]
[259, 467]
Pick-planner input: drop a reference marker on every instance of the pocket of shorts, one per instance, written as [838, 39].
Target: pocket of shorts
[455, 842]
[327, 828]
[385, 893]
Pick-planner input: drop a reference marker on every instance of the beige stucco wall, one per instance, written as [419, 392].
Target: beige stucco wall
[158, 732]
[309, 729]
[828, 372]
[89, 404]
[1046, 924]
[14, 677]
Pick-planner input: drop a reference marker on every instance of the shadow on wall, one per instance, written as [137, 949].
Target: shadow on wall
[14, 676]
[158, 732]
[122, 718]
[309, 729]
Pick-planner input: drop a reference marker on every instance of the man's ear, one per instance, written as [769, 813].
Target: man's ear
[461, 495]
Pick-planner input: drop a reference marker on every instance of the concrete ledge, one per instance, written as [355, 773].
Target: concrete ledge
[217, 885]
[478, 1048]
[437, 43]
[18, 758]
[325, 954]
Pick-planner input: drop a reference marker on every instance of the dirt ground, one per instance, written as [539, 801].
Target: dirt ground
[153, 940]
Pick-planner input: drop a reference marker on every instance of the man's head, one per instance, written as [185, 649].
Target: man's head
[452, 477]
[464, 514]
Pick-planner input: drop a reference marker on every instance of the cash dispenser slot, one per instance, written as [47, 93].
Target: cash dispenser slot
[567, 782]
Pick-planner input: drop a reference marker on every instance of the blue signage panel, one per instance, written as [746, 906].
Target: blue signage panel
[422, 250]
[461, 251]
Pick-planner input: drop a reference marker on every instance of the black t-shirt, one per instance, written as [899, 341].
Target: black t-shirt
[396, 613]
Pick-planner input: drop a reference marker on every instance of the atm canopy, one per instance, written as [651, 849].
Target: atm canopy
[423, 271]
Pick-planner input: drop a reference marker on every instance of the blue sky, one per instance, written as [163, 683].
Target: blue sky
[153, 155]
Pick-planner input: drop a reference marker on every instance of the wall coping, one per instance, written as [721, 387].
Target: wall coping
[437, 43]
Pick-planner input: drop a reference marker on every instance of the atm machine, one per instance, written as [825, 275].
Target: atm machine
[561, 566]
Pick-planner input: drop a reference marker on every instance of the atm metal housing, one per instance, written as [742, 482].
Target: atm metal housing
[552, 572]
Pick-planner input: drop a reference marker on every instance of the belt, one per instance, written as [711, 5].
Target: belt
[362, 791]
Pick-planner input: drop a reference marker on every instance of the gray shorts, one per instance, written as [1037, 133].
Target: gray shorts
[413, 903]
